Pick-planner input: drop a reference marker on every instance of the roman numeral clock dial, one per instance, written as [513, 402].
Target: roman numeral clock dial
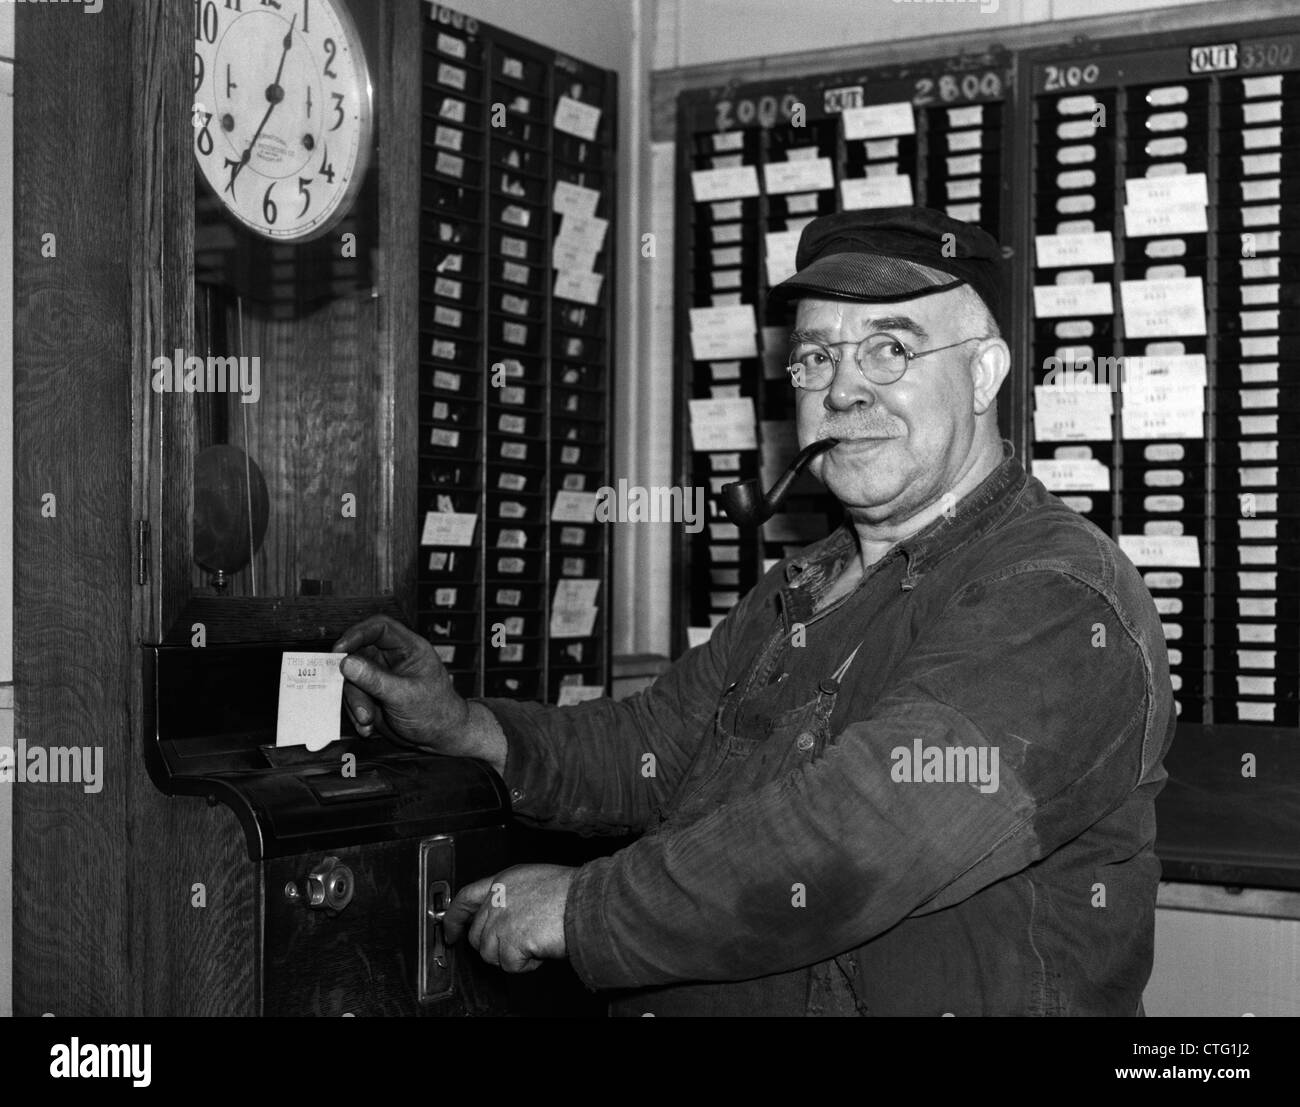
[282, 112]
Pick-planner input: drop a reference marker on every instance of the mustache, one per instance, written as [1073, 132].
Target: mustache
[847, 429]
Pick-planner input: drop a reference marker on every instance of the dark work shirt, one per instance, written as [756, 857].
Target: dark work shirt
[822, 829]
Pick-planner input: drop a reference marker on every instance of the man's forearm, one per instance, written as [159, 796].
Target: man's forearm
[489, 737]
[604, 766]
[478, 734]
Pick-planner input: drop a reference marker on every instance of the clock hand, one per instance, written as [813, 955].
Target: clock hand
[288, 41]
[248, 152]
[274, 93]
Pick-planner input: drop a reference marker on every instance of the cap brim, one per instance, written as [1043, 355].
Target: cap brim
[865, 277]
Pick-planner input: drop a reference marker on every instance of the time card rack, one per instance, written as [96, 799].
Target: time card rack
[1144, 189]
[516, 289]
[756, 163]
[1166, 269]
[1166, 259]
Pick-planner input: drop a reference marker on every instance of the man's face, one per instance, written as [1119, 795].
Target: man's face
[903, 444]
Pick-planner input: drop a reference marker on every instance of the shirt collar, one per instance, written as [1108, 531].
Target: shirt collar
[972, 516]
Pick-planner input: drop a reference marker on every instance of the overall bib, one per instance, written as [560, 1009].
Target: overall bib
[732, 765]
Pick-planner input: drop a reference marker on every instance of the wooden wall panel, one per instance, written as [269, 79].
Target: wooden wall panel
[399, 201]
[72, 571]
[182, 959]
[103, 917]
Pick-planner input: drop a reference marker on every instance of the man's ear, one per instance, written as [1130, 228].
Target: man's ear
[989, 369]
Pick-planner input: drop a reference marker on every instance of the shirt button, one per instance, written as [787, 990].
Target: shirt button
[516, 794]
[805, 742]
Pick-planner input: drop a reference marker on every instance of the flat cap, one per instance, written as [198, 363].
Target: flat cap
[884, 255]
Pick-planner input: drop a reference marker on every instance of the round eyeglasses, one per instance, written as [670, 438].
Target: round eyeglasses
[881, 359]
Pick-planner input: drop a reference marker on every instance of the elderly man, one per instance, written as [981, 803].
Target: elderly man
[913, 771]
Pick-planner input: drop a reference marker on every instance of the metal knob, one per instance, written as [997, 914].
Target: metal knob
[330, 885]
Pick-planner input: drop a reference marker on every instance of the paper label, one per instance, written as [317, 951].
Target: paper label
[1072, 474]
[514, 247]
[1056, 251]
[723, 424]
[573, 256]
[798, 176]
[724, 184]
[718, 333]
[451, 75]
[964, 140]
[572, 199]
[448, 528]
[1085, 424]
[1185, 421]
[584, 288]
[450, 45]
[1143, 222]
[449, 137]
[576, 118]
[1154, 309]
[876, 192]
[582, 232]
[879, 121]
[573, 608]
[311, 696]
[574, 507]
[1181, 370]
[1167, 549]
[1052, 301]
[781, 249]
[571, 694]
[1152, 192]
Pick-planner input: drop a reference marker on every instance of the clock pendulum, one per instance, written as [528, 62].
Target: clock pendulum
[231, 506]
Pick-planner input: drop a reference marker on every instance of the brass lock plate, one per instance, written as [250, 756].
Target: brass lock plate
[437, 879]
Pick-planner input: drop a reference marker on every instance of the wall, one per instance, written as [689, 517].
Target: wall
[698, 32]
[1210, 958]
[6, 493]
[1213, 960]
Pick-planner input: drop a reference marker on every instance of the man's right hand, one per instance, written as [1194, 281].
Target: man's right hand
[393, 677]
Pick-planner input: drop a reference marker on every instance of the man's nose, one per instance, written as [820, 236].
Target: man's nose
[849, 386]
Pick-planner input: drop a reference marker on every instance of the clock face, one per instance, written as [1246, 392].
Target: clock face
[282, 113]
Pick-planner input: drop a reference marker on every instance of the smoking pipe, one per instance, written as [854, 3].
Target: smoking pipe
[746, 507]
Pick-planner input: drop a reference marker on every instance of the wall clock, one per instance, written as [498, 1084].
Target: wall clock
[282, 113]
[281, 518]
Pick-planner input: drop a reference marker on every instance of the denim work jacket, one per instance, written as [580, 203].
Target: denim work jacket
[933, 796]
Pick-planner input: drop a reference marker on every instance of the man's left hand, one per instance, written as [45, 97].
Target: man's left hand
[518, 915]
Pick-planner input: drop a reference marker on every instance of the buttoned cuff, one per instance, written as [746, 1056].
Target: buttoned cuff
[529, 774]
[591, 947]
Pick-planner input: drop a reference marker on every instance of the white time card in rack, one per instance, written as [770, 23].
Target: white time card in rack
[282, 112]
